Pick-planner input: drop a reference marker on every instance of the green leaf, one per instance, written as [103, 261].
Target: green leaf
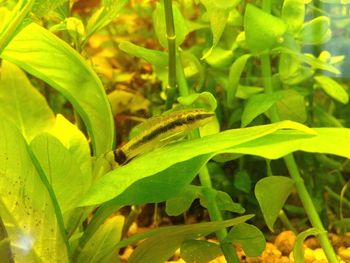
[75, 142]
[165, 184]
[220, 57]
[43, 7]
[291, 106]
[105, 15]
[271, 193]
[182, 202]
[158, 59]
[101, 246]
[298, 250]
[235, 73]
[181, 28]
[333, 88]
[242, 181]
[22, 104]
[45, 56]
[199, 251]
[174, 156]
[164, 241]
[249, 237]
[60, 167]
[258, 104]
[26, 206]
[224, 202]
[293, 13]
[315, 32]
[315, 63]
[218, 12]
[262, 30]
[204, 100]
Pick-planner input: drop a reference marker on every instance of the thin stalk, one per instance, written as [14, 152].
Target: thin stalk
[170, 33]
[294, 172]
[215, 215]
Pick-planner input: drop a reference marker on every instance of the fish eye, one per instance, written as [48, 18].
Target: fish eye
[190, 118]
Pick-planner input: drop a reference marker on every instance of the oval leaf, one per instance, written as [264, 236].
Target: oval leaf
[333, 89]
[249, 237]
[199, 251]
[258, 104]
[262, 30]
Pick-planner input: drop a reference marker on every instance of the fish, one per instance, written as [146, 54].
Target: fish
[162, 130]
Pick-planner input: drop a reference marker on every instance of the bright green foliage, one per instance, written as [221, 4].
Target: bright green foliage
[15, 89]
[33, 224]
[47, 57]
[249, 237]
[101, 246]
[272, 192]
[257, 105]
[333, 88]
[315, 32]
[199, 251]
[258, 35]
[291, 106]
[164, 241]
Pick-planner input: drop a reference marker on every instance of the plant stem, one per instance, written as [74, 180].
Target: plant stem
[215, 215]
[170, 32]
[294, 172]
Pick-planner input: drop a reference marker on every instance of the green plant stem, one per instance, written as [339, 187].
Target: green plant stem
[170, 32]
[294, 172]
[215, 215]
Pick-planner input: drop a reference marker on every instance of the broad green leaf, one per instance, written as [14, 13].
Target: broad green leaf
[45, 56]
[74, 141]
[117, 181]
[101, 246]
[27, 210]
[298, 250]
[291, 106]
[22, 104]
[249, 237]
[333, 88]
[271, 193]
[165, 184]
[158, 59]
[293, 13]
[281, 143]
[181, 28]
[220, 58]
[315, 32]
[235, 73]
[60, 167]
[199, 251]
[258, 104]
[262, 30]
[179, 204]
[160, 246]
